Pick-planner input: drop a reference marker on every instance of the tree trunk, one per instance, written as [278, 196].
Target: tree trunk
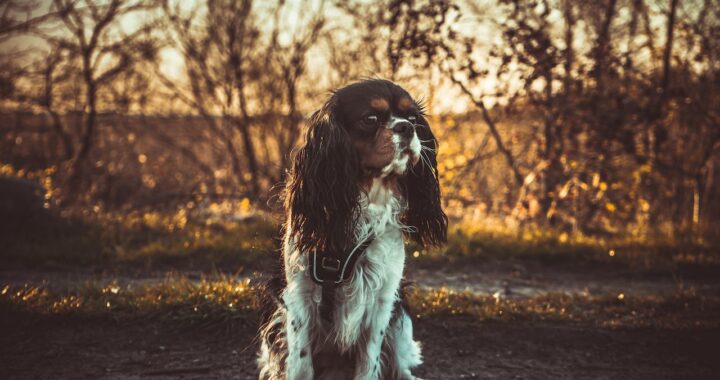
[660, 131]
[243, 126]
[250, 154]
[89, 132]
[552, 174]
[67, 146]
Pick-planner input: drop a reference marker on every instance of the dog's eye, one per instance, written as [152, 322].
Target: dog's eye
[412, 118]
[371, 119]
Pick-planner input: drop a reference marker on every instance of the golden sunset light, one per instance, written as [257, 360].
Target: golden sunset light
[364, 189]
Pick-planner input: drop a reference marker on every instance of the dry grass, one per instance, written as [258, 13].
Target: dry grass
[469, 241]
[190, 238]
[148, 239]
[224, 301]
[679, 310]
[221, 301]
[232, 233]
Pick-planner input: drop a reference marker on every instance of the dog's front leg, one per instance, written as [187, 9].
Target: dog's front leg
[369, 366]
[299, 360]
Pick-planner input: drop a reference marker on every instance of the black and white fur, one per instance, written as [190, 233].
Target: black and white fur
[362, 170]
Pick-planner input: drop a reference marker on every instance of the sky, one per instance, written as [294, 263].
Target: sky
[295, 14]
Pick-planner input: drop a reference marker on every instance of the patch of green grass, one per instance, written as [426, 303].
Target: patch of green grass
[50, 238]
[473, 242]
[227, 245]
[178, 241]
[141, 239]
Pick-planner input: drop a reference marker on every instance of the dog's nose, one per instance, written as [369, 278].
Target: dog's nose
[404, 128]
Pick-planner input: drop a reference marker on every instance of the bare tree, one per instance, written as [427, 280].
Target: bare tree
[17, 17]
[52, 75]
[102, 50]
[238, 77]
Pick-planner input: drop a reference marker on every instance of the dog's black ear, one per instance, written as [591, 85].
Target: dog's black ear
[322, 192]
[424, 214]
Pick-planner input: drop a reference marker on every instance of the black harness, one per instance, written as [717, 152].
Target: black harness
[330, 269]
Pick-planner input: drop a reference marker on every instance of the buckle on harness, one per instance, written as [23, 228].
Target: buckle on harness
[331, 264]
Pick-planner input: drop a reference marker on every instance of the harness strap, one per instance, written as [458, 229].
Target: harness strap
[327, 301]
[328, 269]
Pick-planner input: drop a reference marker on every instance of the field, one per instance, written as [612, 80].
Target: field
[148, 151]
[135, 298]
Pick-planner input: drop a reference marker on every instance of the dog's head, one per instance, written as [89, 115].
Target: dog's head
[369, 129]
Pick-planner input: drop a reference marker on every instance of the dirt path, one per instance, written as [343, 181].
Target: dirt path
[517, 279]
[521, 283]
[454, 348]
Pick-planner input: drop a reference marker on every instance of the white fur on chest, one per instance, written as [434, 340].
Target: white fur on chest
[376, 277]
[371, 289]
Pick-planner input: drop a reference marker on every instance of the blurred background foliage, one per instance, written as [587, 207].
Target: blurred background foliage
[165, 127]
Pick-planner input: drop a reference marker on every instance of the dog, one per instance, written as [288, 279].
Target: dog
[365, 179]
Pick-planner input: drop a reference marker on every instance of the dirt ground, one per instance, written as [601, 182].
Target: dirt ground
[33, 346]
[454, 348]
